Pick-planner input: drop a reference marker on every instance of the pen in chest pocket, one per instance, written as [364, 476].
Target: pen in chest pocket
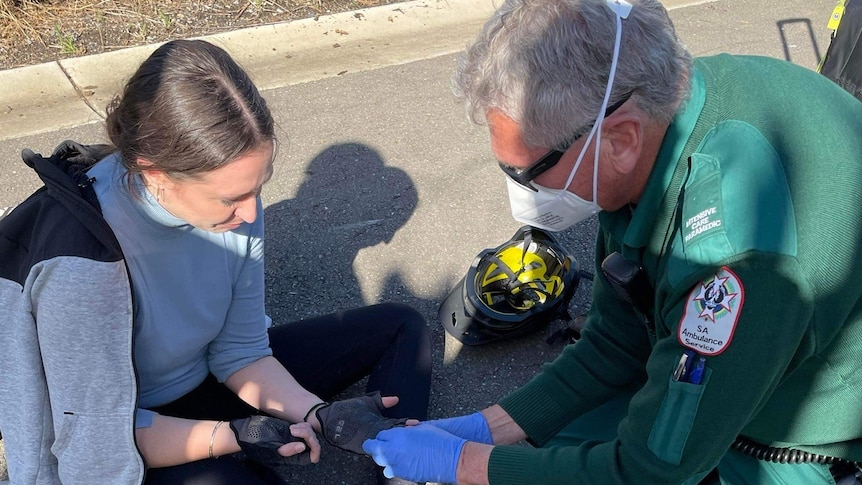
[690, 368]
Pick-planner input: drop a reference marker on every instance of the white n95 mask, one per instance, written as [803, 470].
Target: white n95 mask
[549, 209]
[559, 209]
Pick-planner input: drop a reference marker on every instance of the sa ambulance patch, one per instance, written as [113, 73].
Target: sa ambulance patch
[711, 312]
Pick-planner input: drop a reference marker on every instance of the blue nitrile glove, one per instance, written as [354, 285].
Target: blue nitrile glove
[472, 427]
[421, 453]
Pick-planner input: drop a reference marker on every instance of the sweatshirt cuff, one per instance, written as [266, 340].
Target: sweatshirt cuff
[536, 412]
[144, 418]
[511, 465]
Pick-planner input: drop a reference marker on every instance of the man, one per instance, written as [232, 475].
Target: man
[726, 321]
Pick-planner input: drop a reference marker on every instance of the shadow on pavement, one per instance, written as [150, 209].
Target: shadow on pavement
[350, 200]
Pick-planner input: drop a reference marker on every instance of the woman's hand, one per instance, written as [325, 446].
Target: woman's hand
[389, 401]
[306, 433]
[347, 424]
[276, 443]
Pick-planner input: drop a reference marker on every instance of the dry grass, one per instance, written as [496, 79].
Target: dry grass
[13, 19]
[34, 31]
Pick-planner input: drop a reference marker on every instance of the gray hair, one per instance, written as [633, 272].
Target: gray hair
[545, 64]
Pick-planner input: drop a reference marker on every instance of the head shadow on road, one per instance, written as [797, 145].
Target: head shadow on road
[348, 200]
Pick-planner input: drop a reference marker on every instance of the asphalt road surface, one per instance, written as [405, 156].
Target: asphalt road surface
[383, 191]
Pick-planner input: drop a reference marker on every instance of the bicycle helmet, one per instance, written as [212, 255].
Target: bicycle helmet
[511, 290]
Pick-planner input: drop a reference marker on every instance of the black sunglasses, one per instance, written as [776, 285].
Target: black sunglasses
[525, 176]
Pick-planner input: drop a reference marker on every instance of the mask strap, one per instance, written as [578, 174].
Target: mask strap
[621, 9]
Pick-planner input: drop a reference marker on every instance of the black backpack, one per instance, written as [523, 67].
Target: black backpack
[843, 60]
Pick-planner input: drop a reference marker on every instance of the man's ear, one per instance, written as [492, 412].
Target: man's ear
[623, 138]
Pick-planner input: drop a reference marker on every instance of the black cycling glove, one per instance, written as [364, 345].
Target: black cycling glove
[347, 424]
[260, 437]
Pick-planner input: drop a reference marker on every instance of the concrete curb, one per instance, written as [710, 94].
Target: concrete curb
[74, 92]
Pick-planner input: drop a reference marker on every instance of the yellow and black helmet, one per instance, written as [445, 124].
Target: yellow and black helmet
[513, 289]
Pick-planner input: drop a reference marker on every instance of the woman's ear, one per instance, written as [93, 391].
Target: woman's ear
[153, 176]
[623, 138]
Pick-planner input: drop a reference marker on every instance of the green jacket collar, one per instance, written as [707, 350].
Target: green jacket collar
[633, 226]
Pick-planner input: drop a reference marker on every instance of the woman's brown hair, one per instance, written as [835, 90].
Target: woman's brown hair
[187, 110]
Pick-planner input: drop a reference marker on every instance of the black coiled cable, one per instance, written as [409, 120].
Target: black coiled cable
[786, 455]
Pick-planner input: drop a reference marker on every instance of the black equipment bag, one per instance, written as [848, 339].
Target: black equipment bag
[843, 60]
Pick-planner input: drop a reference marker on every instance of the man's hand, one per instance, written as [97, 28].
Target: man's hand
[421, 453]
[472, 427]
[347, 424]
[271, 441]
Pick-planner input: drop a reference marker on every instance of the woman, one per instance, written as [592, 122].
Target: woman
[135, 298]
